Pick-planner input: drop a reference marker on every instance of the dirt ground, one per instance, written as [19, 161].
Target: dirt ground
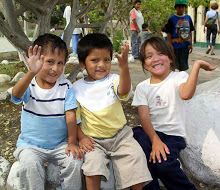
[10, 113]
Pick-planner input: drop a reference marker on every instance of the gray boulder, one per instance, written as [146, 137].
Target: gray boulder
[4, 78]
[5, 96]
[202, 154]
[4, 170]
[17, 77]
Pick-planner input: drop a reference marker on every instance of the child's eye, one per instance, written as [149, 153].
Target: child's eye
[50, 62]
[94, 60]
[60, 63]
[160, 53]
[107, 60]
[148, 57]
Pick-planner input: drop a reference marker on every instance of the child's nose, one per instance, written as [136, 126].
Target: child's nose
[54, 67]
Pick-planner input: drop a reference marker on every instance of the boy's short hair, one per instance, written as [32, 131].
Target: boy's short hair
[214, 6]
[158, 44]
[145, 25]
[93, 41]
[137, 1]
[51, 41]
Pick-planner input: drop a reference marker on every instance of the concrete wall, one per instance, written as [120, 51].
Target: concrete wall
[198, 18]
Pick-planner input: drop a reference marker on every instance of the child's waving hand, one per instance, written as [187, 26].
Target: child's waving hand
[35, 60]
[123, 57]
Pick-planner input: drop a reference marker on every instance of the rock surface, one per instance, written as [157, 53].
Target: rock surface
[4, 78]
[202, 155]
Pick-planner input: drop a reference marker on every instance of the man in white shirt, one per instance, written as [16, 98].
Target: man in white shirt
[76, 32]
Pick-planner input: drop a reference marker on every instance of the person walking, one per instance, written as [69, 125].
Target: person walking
[136, 21]
[212, 27]
[76, 32]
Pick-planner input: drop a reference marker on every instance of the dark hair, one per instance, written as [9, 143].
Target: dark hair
[214, 6]
[137, 1]
[158, 44]
[180, 5]
[51, 41]
[93, 41]
[145, 25]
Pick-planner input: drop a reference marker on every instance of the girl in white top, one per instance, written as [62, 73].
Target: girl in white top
[213, 30]
[160, 101]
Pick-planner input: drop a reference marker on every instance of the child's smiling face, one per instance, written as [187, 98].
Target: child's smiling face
[157, 63]
[97, 64]
[52, 68]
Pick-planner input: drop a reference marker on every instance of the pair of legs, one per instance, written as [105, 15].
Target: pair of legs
[128, 160]
[169, 172]
[212, 31]
[181, 58]
[32, 169]
[75, 39]
[135, 43]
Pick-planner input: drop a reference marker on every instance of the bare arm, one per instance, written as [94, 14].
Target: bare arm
[190, 46]
[158, 147]
[72, 135]
[125, 79]
[136, 25]
[206, 19]
[169, 37]
[86, 143]
[35, 62]
[218, 25]
[188, 88]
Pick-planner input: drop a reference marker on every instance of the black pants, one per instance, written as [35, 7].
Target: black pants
[169, 172]
[182, 56]
[212, 31]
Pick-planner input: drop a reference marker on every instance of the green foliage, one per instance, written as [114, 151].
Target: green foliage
[197, 3]
[57, 16]
[117, 41]
[96, 16]
[13, 68]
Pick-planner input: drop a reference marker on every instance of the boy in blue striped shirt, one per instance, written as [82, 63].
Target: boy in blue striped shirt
[48, 120]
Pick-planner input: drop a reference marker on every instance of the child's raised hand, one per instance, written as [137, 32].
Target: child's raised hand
[206, 66]
[35, 60]
[76, 151]
[123, 57]
[87, 144]
[158, 149]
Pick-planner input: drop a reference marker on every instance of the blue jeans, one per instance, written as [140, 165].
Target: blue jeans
[169, 172]
[135, 43]
[212, 31]
[75, 39]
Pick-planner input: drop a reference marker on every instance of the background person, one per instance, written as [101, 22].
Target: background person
[212, 30]
[136, 21]
[76, 32]
[145, 33]
[179, 34]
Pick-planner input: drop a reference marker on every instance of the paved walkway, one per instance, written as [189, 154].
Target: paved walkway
[6, 46]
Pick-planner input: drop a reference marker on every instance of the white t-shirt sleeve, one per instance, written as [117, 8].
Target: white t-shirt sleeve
[140, 96]
[181, 78]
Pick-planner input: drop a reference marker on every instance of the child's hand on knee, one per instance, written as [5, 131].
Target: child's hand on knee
[76, 151]
[158, 149]
[87, 144]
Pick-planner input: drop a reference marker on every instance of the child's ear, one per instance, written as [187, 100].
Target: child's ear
[82, 65]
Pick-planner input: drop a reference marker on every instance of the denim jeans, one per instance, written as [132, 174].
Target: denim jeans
[135, 43]
[169, 172]
[212, 31]
[75, 39]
